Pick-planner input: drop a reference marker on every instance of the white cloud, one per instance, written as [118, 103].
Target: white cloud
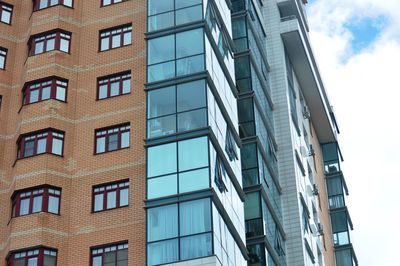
[364, 91]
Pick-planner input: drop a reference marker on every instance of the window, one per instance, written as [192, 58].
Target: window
[182, 165]
[179, 232]
[116, 37]
[111, 196]
[175, 55]
[177, 109]
[42, 199]
[41, 90]
[47, 141]
[111, 2]
[5, 12]
[3, 56]
[49, 41]
[112, 138]
[41, 4]
[33, 257]
[110, 255]
[168, 13]
[114, 85]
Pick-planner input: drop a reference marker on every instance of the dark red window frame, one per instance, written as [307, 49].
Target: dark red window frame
[45, 37]
[34, 137]
[51, 82]
[115, 31]
[3, 53]
[36, 4]
[43, 191]
[111, 79]
[4, 7]
[110, 131]
[112, 2]
[104, 189]
[35, 252]
[100, 251]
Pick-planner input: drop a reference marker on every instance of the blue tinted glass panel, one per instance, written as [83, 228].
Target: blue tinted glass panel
[193, 153]
[162, 186]
[161, 160]
[195, 217]
[162, 222]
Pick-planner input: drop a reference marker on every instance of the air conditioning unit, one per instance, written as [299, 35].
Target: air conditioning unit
[315, 190]
[306, 113]
[320, 229]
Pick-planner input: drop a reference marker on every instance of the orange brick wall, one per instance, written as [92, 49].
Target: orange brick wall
[76, 229]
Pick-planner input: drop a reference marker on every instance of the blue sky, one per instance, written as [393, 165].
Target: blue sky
[357, 46]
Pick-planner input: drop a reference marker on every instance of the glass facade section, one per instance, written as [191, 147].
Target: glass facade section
[164, 14]
[175, 55]
[179, 231]
[335, 192]
[177, 108]
[177, 167]
[340, 228]
[331, 158]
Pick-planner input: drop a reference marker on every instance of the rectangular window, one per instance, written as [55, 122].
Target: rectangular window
[184, 163]
[111, 2]
[49, 41]
[3, 57]
[33, 257]
[115, 37]
[175, 55]
[42, 199]
[112, 138]
[45, 89]
[41, 4]
[114, 254]
[47, 141]
[177, 109]
[179, 232]
[5, 12]
[115, 85]
[163, 14]
[110, 196]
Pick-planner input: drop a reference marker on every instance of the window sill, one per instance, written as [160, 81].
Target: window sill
[111, 151]
[47, 52]
[35, 155]
[123, 1]
[112, 97]
[111, 209]
[115, 48]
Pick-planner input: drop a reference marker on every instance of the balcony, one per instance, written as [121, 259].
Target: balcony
[295, 8]
[345, 256]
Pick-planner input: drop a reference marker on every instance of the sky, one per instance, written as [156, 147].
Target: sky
[357, 46]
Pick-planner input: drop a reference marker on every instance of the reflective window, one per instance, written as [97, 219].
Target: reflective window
[173, 237]
[5, 12]
[3, 56]
[51, 88]
[115, 37]
[112, 138]
[41, 4]
[110, 2]
[174, 55]
[48, 141]
[110, 196]
[44, 199]
[31, 257]
[163, 14]
[182, 165]
[177, 109]
[114, 85]
[49, 41]
[110, 255]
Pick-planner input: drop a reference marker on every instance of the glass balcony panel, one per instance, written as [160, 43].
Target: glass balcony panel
[188, 15]
[161, 21]
[161, 71]
[336, 202]
[254, 227]
[190, 65]
[192, 120]
[161, 126]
